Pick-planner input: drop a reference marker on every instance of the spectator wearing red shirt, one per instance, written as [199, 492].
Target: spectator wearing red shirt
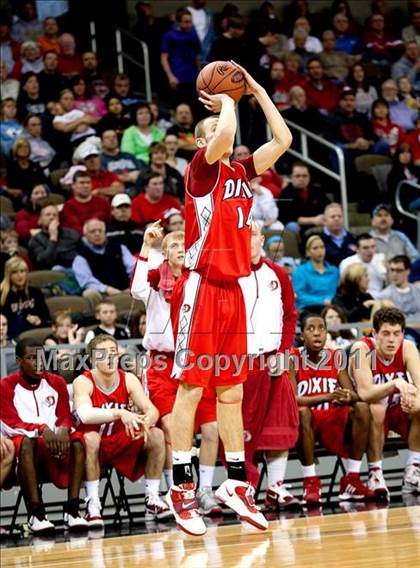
[26, 221]
[152, 204]
[83, 206]
[413, 139]
[387, 132]
[69, 62]
[49, 41]
[282, 81]
[381, 48]
[269, 179]
[104, 182]
[320, 92]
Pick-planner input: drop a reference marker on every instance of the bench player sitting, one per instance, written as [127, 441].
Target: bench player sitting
[330, 411]
[7, 456]
[35, 415]
[154, 287]
[112, 434]
[380, 368]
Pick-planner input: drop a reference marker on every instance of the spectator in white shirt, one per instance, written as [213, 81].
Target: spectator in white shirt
[374, 262]
[264, 208]
[313, 44]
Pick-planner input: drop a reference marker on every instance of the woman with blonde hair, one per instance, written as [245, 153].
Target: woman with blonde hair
[23, 305]
[352, 295]
[22, 173]
[315, 281]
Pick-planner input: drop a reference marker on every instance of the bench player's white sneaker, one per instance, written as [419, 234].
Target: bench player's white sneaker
[183, 504]
[156, 508]
[376, 483]
[411, 481]
[239, 496]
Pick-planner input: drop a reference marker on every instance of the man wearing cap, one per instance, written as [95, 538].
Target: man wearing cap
[389, 242]
[349, 129]
[275, 252]
[104, 182]
[122, 229]
[126, 166]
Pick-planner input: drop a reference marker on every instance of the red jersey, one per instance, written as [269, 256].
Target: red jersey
[315, 379]
[386, 371]
[116, 398]
[218, 203]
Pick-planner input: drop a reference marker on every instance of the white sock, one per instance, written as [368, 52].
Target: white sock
[151, 486]
[235, 456]
[168, 477]
[353, 466]
[276, 470]
[309, 470]
[413, 457]
[92, 489]
[206, 476]
[179, 457]
[375, 465]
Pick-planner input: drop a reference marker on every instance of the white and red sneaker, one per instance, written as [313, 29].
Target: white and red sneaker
[311, 490]
[93, 514]
[278, 496]
[184, 507]
[156, 508]
[239, 496]
[376, 483]
[411, 481]
[352, 488]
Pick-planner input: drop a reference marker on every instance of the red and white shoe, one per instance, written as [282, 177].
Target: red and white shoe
[183, 504]
[311, 490]
[239, 496]
[155, 508]
[93, 514]
[278, 496]
[376, 483]
[411, 481]
[353, 489]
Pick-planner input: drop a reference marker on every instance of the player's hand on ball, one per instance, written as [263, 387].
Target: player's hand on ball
[213, 102]
[251, 84]
[153, 233]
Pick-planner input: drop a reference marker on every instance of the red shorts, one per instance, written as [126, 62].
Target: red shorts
[49, 468]
[331, 428]
[397, 420]
[271, 416]
[123, 453]
[162, 390]
[209, 320]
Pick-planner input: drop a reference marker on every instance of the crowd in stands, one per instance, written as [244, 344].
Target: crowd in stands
[88, 163]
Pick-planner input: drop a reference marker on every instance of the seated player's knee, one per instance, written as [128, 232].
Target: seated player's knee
[377, 413]
[305, 417]
[189, 394]
[361, 411]
[209, 432]
[155, 439]
[27, 447]
[77, 448]
[230, 395]
[166, 428]
[9, 455]
[92, 442]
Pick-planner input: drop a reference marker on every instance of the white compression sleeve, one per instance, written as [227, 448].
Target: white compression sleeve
[92, 415]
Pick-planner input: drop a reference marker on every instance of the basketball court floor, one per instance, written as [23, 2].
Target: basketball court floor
[362, 536]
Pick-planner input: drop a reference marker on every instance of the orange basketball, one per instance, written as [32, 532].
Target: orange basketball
[221, 77]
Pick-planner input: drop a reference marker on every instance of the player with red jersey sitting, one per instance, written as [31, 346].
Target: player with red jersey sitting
[114, 435]
[330, 411]
[381, 366]
[35, 416]
[207, 307]
[154, 287]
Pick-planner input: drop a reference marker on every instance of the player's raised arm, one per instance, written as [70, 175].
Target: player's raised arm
[219, 140]
[268, 154]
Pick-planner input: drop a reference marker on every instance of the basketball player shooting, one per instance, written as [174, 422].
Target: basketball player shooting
[207, 307]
